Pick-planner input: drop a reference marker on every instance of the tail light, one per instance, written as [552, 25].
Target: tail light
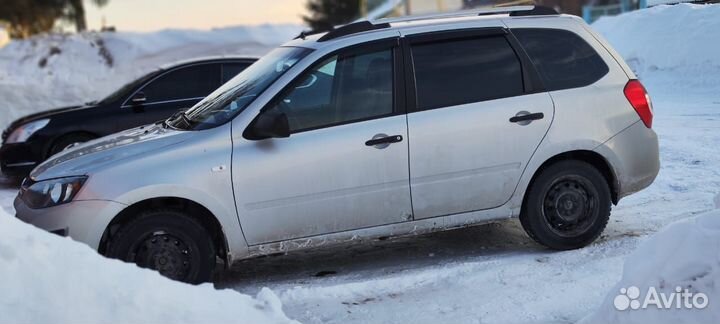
[640, 100]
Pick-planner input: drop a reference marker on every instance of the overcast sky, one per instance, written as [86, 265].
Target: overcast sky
[148, 15]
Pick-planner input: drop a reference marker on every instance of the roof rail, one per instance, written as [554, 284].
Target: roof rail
[514, 11]
[365, 25]
[536, 11]
[352, 28]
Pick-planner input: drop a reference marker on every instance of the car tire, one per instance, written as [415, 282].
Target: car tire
[567, 206]
[168, 241]
[65, 141]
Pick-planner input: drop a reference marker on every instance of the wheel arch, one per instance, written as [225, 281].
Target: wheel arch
[590, 157]
[196, 210]
[60, 137]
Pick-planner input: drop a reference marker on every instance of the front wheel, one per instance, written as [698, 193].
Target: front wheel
[567, 206]
[168, 241]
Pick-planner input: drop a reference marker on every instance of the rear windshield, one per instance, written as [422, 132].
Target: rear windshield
[563, 59]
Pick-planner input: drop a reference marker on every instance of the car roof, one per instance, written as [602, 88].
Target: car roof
[398, 24]
[209, 59]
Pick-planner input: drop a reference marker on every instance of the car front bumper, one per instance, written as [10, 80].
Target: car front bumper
[83, 221]
[18, 159]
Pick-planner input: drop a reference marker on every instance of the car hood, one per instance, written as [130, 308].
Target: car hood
[45, 114]
[106, 151]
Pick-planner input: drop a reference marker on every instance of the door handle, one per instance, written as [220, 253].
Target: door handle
[524, 117]
[383, 141]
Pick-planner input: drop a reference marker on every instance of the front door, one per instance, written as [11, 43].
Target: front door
[345, 164]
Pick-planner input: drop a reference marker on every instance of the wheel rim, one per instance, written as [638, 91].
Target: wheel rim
[166, 253]
[570, 206]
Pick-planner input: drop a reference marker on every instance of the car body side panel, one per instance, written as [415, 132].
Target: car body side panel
[633, 153]
[459, 162]
[322, 181]
[358, 236]
[197, 170]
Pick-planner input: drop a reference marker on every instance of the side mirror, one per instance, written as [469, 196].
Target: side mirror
[139, 98]
[270, 124]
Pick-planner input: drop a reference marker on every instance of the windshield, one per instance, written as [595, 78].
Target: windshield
[230, 99]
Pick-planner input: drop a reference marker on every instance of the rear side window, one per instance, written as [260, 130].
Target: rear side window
[191, 82]
[461, 71]
[563, 59]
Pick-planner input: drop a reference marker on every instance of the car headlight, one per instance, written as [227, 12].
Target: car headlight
[22, 133]
[49, 193]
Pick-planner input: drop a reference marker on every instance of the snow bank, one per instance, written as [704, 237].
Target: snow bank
[685, 255]
[681, 37]
[54, 70]
[48, 279]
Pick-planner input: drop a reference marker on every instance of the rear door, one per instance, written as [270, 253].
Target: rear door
[478, 114]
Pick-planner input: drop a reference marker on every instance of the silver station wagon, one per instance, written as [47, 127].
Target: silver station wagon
[382, 128]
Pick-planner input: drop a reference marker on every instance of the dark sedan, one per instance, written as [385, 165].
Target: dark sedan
[32, 139]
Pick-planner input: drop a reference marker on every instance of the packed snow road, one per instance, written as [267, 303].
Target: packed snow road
[494, 273]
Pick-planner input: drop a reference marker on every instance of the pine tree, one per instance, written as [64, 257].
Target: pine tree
[326, 14]
[25, 18]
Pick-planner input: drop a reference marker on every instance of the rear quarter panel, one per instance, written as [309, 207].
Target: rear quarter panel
[585, 117]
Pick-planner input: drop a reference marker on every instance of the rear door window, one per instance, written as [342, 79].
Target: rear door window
[461, 71]
[563, 59]
[193, 82]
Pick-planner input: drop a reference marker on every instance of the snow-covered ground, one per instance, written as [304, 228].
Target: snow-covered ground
[494, 273]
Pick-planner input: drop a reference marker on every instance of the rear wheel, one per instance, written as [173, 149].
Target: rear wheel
[68, 141]
[567, 206]
[168, 241]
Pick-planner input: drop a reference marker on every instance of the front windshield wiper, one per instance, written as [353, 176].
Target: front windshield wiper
[186, 119]
[179, 115]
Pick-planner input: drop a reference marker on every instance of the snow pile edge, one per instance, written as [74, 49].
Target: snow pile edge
[684, 255]
[48, 279]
